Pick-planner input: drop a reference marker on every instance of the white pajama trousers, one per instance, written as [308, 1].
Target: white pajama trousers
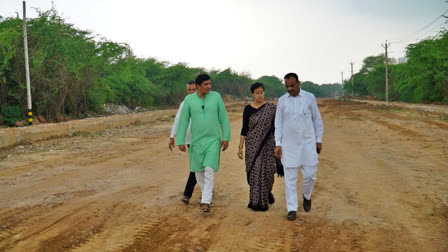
[291, 176]
[206, 180]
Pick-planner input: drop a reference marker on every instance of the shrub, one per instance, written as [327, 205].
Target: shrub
[11, 114]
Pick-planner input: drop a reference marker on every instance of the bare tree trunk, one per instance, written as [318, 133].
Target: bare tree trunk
[3, 92]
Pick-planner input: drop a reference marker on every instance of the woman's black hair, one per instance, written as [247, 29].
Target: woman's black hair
[255, 86]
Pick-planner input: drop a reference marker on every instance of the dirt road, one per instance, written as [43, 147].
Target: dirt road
[381, 186]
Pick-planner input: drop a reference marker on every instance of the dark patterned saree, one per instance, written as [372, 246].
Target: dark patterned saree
[260, 161]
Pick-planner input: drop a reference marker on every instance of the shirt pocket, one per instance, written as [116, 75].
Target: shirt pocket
[306, 111]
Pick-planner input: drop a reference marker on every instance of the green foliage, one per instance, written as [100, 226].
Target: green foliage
[11, 31]
[423, 78]
[369, 80]
[426, 72]
[72, 72]
[324, 90]
[274, 86]
[128, 84]
[98, 95]
[11, 114]
[231, 82]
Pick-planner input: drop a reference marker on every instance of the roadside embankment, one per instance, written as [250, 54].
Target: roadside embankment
[438, 109]
[10, 137]
[13, 136]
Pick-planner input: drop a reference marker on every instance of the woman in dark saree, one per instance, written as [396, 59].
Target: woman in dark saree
[258, 135]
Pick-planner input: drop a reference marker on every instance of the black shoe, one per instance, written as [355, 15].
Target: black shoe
[271, 198]
[185, 199]
[292, 215]
[257, 208]
[306, 204]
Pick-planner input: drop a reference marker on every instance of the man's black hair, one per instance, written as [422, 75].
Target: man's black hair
[191, 82]
[201, 78]
[289, 75]
[255, 86]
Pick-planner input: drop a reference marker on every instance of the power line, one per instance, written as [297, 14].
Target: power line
[421, 36]
[412, 34]
[419, 30]
[438, 27]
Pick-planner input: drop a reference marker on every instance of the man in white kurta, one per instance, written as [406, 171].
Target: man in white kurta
[298, 140]
[191, 182]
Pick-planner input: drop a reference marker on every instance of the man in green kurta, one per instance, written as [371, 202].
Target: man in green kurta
[209, 119]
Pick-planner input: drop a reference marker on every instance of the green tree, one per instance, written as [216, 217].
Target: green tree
[230, 82]
[274, 87]
[426, 71]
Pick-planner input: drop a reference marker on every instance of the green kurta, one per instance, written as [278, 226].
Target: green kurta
[208, 119]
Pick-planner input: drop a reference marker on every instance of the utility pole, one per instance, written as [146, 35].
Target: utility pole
[386, 45]
[351, 63]
[27, 67]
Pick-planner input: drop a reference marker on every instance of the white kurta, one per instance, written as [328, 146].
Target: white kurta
[298, 126]
[176, 123]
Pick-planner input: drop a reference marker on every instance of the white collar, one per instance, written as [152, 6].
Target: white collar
[300, 94]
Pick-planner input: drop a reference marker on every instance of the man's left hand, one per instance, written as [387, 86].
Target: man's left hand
[318, 147]
[182, 148]
[171, 144]
[224, 145]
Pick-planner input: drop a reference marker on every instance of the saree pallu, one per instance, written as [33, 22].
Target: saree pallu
[260, 161]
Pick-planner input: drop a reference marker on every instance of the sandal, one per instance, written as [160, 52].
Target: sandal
[205, 208]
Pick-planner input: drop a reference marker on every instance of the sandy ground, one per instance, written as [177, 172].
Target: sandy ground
[381, 186]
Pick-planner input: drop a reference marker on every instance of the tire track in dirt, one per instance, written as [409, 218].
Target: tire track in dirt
[172, 232]
[399, 129]
[23, 233]
[52, 243]
[386, 171]
[441, 125]
[109, 237]
[375, 191]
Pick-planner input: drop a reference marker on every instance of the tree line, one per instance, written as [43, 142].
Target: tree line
[73, 71]
[421, 78]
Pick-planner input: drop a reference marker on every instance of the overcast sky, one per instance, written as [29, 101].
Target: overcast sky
[315, 39]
